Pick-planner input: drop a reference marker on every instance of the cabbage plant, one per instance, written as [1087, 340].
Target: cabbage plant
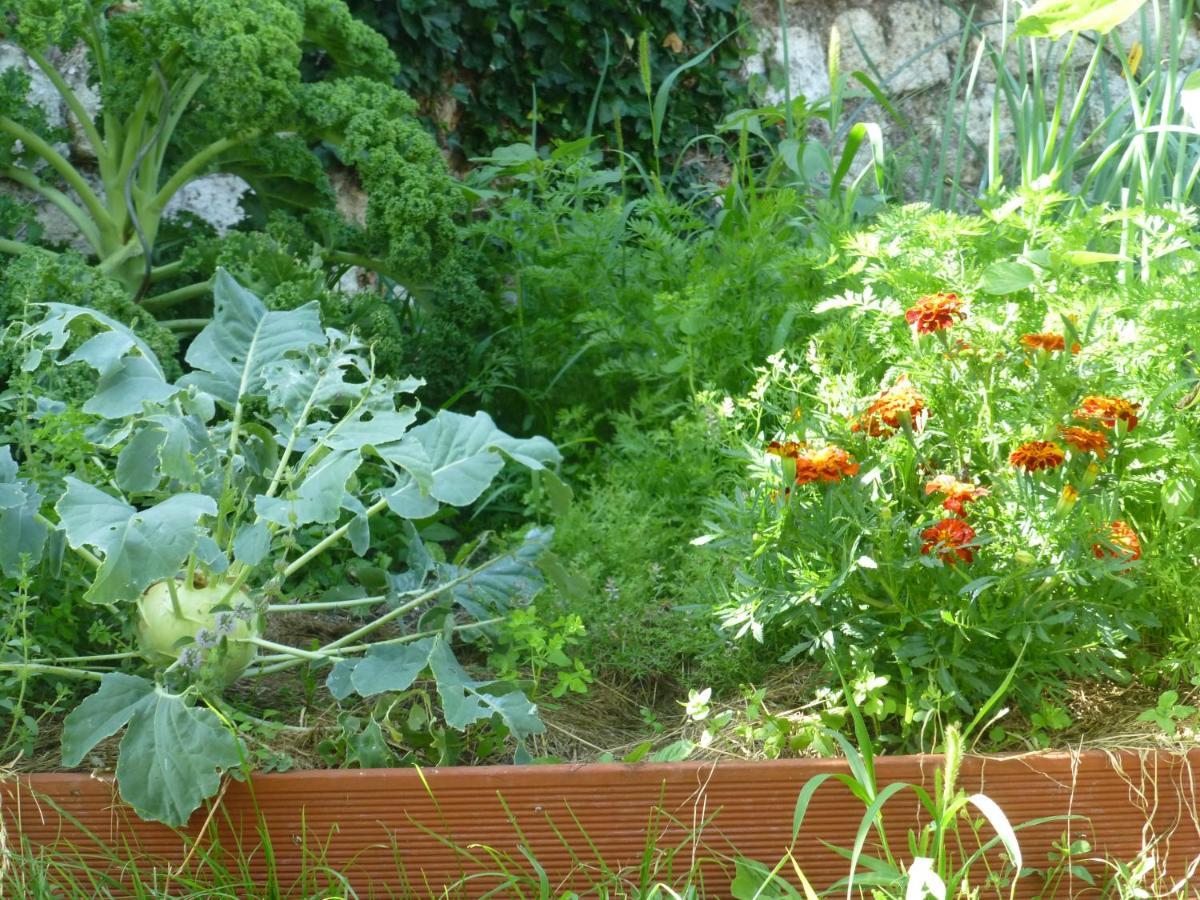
[279, 446]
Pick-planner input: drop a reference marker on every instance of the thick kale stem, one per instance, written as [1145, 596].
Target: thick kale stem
[184, 326]
[15, 248]
[68, 172]
[169, 270]
[192, 168]
[180, 295]
[68, 207]
[73, 103]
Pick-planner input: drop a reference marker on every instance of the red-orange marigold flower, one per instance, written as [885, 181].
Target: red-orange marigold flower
[1125, 541]
[786, 450]
[824, 464]
[883, 415]
[958, 493]
[935, 312]
[1048, 341]
[1107, 410]
[949, 538]
[1085, 440]
[1034, 455]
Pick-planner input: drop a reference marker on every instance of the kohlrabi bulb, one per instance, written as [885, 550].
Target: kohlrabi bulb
[160, 628]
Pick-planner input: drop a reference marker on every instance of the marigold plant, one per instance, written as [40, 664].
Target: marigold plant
[949, 538]
[935, 312]
[1108, 411]
[1033, 456]
[899, 403]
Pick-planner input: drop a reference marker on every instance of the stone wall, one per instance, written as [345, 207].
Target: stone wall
[912, 49]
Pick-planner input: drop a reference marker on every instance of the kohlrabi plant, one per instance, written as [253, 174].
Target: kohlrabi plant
[278, 447]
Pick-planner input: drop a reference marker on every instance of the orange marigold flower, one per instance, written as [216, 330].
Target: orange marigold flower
[935, 312]
[883, 415]
[1085, 440]
[785, 450]
[1107, 410]
[958, 493]
[1034, 455]
[1048, 341]
[949, 538]
[824, 464]
[1124, 541]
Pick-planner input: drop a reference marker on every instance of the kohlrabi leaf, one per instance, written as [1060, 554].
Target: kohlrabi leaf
[231, 356]
[172, 758]
[138, 546]
[137, 464]
[515, 575]
[252, 543]
[103, 714]
[102, 352]
[466, 701]
[389, 667]
[124, 388]
[465, 453]
[22, 535]
[296, 386]
[317, 499]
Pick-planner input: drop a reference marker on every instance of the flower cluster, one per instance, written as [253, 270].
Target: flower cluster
[1033, 456]
[1108, 411]
[935, 312]
[816, 463]
[1047, 341]
[901, 402]
[958, 493]
[950, 538]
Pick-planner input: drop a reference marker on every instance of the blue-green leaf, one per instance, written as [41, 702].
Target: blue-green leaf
[102, 714]
[138, 546]
[465, 454]
[466, 701]
[172, 758]
[22, 535]
[231, 356]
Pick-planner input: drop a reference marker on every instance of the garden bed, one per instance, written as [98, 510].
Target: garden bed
[419, 831]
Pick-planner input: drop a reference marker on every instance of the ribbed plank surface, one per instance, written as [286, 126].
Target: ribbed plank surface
[365, 822]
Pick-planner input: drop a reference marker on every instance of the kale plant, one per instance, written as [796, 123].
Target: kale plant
[278, 92]
[277, 448]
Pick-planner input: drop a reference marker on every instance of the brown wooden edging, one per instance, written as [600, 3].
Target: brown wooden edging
[363, 821]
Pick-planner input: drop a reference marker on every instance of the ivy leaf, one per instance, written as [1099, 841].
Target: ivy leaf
[464, 452]
[139, 546]
[102, 714]
[172, 757]
[231, 356]
[466, 701]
